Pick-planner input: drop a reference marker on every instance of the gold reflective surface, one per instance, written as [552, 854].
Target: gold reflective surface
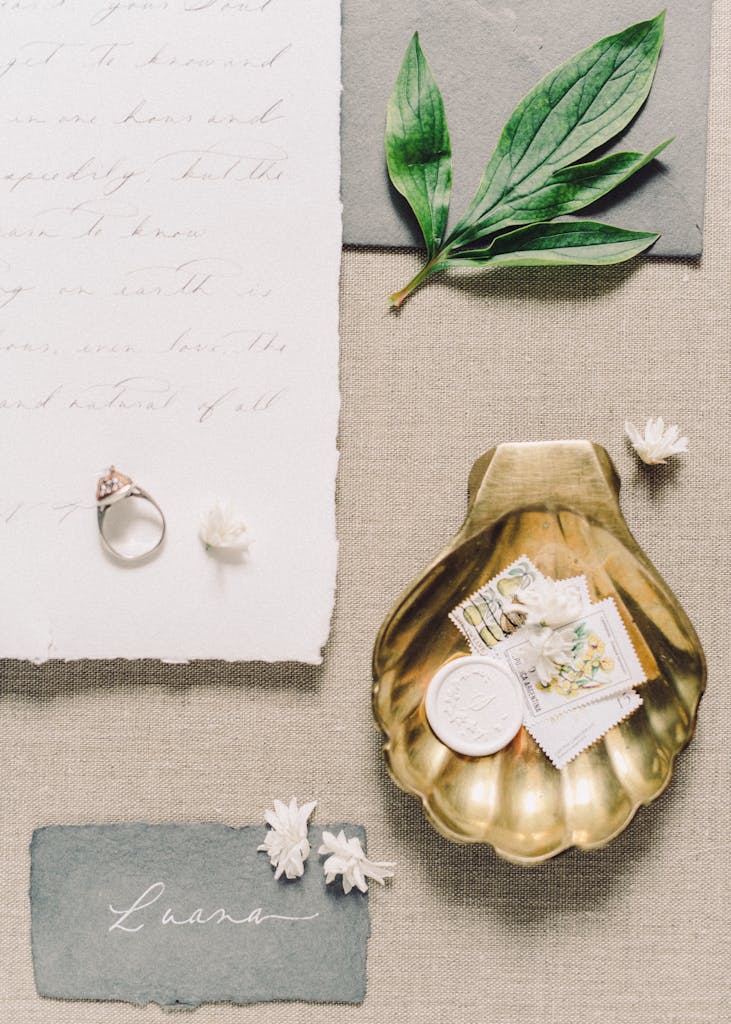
[557, 503]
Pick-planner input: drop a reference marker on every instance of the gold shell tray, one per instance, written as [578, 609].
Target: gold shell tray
[557, 503]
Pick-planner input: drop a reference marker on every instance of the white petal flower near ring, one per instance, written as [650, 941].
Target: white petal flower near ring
[223, 528]
[111, 490]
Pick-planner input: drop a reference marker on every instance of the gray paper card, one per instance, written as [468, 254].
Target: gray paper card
[486, 55]
[185, 914]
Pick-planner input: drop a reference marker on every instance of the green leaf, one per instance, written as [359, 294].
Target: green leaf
[580, 242]
[570, 189]
[578, 107]
[418, 151]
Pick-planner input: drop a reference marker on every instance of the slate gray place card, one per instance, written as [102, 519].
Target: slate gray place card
[185, 914]
[486, 55]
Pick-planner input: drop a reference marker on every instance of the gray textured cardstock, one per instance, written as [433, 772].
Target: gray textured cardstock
[486, 55]
[78, 872]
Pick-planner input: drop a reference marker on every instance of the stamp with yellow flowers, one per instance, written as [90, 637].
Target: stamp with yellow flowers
[588, 659]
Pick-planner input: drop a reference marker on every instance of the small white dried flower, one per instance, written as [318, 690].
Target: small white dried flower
[550, 649]
[223, 527]
[548, 602]
[286, 841]
[658, 443]
[346, 858]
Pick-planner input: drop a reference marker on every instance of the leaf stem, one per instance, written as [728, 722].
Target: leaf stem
[398, 298]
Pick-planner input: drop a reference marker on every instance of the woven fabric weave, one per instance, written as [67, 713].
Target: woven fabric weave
[634, 934]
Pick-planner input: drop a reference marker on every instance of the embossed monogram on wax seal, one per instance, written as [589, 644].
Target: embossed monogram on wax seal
[474, 705]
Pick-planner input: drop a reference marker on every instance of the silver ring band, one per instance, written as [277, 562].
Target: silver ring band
[116, 487]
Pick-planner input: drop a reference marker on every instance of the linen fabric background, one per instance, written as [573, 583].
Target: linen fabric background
[637, 933]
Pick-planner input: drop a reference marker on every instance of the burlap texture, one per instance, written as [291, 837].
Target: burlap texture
[635, 934]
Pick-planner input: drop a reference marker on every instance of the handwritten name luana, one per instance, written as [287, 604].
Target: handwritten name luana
[198, 916]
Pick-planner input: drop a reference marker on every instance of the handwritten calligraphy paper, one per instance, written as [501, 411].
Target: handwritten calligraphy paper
[169, 259]
[186, 914]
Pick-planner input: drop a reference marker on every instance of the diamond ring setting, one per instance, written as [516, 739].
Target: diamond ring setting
[114, 490]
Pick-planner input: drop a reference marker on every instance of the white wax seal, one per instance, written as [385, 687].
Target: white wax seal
[474, 705]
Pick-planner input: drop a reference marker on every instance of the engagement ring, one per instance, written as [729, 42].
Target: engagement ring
[129, 530]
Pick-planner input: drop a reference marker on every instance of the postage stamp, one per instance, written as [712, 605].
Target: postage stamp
[562, 738]
[603, 663]
[594, 687]
[482, 618]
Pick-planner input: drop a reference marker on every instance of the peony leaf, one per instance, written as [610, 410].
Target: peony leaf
[555, 244]
[534, 175]
[578, 107]
[568, 190]
[418, 151]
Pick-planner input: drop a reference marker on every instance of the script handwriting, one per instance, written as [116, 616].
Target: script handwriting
[198, 916]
